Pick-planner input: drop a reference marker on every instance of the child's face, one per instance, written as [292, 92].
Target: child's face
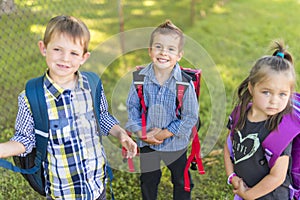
[270, 96]
[63, 56]
[164, 51]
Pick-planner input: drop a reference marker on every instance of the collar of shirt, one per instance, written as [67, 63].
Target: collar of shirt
[56, 90]
[149, 71]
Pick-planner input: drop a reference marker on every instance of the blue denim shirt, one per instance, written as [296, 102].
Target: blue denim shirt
[161, 103]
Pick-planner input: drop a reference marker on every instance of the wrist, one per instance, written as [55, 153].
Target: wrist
[230, 177]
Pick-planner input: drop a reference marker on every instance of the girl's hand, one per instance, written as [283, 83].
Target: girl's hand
[241, 189]
[235, 182]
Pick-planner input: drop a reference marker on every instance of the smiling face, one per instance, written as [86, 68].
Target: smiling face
[270, 96]
[165, 52]
[64, 55]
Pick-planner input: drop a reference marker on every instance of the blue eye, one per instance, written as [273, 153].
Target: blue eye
[283, 94]
[266, 92]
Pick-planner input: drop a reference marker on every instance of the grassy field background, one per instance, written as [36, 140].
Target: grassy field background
[234, 33]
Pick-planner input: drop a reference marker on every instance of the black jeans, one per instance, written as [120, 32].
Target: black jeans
[151, 173]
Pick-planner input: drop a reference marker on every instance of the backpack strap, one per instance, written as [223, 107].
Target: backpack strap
[287, 130]
[181, 87]
[35, 94]
[233, 118]
[195, 156]
[138, 81]
[96, 89]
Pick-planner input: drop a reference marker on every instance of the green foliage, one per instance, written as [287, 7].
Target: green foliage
[234, 33]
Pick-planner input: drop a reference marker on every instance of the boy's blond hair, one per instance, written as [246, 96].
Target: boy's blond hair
[68, 25]
[168, 28]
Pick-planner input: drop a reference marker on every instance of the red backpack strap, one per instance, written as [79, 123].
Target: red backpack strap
[194, 159]
[181, 87]
[138, 81]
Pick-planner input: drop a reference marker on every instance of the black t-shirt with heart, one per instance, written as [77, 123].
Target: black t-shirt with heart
[249, 160]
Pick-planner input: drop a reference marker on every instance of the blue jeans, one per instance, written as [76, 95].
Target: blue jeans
[151, 173]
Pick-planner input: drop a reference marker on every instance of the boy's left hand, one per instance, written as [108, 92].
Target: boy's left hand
[129, 145]
[125, 140]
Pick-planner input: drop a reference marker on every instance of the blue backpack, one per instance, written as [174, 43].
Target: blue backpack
[30, 166]
[275, 143]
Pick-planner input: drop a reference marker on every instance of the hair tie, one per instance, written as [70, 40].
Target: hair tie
[280, 54]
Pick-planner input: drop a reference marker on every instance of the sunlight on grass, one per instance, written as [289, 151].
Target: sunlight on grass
[156, 13]
[37, 8]
[149, 3]
[137, 12]
[219, 9]
[37, 29]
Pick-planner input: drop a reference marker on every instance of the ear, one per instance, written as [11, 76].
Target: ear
[149, 51]
[42, 48]
[250, 88]
[85, 57]
[180, 54]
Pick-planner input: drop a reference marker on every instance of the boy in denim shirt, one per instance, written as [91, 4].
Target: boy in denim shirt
[167, 135]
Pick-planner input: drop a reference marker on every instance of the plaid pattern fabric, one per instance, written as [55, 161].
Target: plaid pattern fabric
[75, 163]
[161, 103]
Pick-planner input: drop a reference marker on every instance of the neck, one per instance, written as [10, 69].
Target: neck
[68, 83]
[255, 116]
[162, 75]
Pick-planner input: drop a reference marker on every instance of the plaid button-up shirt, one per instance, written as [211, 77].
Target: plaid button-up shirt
[75, 165]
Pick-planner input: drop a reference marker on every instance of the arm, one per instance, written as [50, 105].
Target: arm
[270, 182]
[229, 166]
[11, 148]
[125, 140]
[24, 139]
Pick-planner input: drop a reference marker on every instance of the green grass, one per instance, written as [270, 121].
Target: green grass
[234, 33]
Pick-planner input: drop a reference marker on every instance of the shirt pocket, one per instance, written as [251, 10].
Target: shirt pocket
[60, 131]
[92, 120]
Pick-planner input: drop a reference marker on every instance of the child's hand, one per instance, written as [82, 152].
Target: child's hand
[240, 188]
[235, 182]
[129, 145]
[151, 139]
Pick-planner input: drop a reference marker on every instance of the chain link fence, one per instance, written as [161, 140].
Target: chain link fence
[22, 26]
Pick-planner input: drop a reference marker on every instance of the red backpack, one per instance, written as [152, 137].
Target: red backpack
[194, 159]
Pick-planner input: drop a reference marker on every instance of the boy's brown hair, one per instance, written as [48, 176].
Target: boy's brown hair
[168, 28]
[68, 25]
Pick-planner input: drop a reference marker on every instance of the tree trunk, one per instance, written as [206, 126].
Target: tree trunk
[7, 6]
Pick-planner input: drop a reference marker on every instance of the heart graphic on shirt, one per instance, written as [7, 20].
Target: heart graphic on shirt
[243, 151]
